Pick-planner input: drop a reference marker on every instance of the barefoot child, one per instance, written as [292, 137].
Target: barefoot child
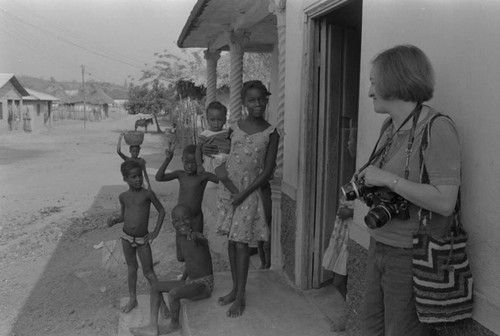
[254, 147]
[134, 155]
[135, 207]
[194, 252]
[192, 185]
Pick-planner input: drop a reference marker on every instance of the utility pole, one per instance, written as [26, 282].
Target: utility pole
[84, 98]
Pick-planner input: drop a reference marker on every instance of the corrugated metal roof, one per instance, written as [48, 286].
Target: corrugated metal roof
[35, 95]
[5, 78]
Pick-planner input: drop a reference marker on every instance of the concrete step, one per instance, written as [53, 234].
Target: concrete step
[273, 308]
[139, 316]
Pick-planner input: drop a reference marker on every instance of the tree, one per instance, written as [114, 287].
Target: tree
[191, 67]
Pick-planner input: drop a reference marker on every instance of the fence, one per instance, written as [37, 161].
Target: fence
[76, 113]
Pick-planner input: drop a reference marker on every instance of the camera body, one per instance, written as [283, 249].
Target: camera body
[386, 203]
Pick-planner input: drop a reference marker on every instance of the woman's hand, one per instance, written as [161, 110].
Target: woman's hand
[373, 176]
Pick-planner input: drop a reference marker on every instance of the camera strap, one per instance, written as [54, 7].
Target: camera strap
[377, 152]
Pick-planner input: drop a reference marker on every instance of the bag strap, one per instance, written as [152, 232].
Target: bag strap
[378, 151]
[425, 215]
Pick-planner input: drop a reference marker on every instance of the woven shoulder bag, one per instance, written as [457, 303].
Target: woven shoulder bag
[442, 279]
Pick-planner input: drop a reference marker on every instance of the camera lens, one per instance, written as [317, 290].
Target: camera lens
[350, 191]
[377, 217]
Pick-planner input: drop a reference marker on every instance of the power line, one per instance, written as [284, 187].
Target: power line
[67, 41]
[31, 45]
[73, 34]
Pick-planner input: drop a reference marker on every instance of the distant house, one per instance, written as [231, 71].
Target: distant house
[90, 103]
[39, 107]
[12, 94]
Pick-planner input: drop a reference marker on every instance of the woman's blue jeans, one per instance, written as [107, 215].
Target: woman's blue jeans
[389, 303]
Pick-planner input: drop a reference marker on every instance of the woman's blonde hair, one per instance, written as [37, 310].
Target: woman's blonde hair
[404, 72]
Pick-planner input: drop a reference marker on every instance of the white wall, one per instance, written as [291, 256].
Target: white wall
[293, 104]
[461, 39]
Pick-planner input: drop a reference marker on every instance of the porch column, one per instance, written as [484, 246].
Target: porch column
[277, 7]
[212, 57]
[237, 42]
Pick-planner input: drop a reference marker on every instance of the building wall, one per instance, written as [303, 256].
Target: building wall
[460, 38]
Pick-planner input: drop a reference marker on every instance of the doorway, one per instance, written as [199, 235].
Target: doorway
[335, 78]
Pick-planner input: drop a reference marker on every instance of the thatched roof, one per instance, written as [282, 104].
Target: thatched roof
[58, 91]
[93, 94]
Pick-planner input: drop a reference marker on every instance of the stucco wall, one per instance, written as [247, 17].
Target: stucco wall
[288, 228]
[460, 38]
[294, 68]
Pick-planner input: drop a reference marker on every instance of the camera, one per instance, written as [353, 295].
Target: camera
[386, 204]
[356, 189]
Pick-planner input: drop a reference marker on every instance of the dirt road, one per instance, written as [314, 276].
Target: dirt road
[61, 271]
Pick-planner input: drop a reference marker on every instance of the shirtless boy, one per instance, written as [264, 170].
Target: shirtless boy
[192, 185]
[194, 252]
[135, 206]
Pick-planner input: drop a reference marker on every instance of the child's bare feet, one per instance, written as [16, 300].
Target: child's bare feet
[148, 330]
[132, 303]
[165, 313]
[169, 328]
[227, 299]
[237, 308]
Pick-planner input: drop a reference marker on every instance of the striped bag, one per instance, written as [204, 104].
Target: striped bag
[442, 279]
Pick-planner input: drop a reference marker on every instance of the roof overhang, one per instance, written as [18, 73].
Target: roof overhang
[212, 21]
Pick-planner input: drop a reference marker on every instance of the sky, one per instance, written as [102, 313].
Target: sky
[112, 39]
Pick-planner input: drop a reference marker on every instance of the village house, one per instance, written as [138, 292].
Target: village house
[39, 106]
[88, 103]
[321, 52]
[12, 94]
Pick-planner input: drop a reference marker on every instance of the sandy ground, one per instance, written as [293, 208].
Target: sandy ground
[61, 268]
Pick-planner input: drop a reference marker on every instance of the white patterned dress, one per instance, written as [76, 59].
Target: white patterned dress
[246, 223]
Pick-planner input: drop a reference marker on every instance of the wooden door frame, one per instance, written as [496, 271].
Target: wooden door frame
[308, 156]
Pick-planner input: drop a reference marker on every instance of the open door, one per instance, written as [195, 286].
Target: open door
[336, 92]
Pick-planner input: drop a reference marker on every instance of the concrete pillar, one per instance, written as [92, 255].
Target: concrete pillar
[212, 57]
[237, 42]
[277, 7]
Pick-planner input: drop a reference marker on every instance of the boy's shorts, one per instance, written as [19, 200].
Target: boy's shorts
[207, 280]
[134, 241]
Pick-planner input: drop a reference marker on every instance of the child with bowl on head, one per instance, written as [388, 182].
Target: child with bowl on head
[251, 161]
[134, 156]
[135, 208]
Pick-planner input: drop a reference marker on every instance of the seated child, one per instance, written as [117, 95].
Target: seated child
[216, 136]
[134, 155]
[135, 207]
[194, 252]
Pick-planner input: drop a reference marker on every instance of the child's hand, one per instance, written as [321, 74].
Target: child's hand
[169, 153]
[111, 221]
[151, 236]
[345, 213]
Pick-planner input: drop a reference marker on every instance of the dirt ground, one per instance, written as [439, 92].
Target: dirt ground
[61, 267]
